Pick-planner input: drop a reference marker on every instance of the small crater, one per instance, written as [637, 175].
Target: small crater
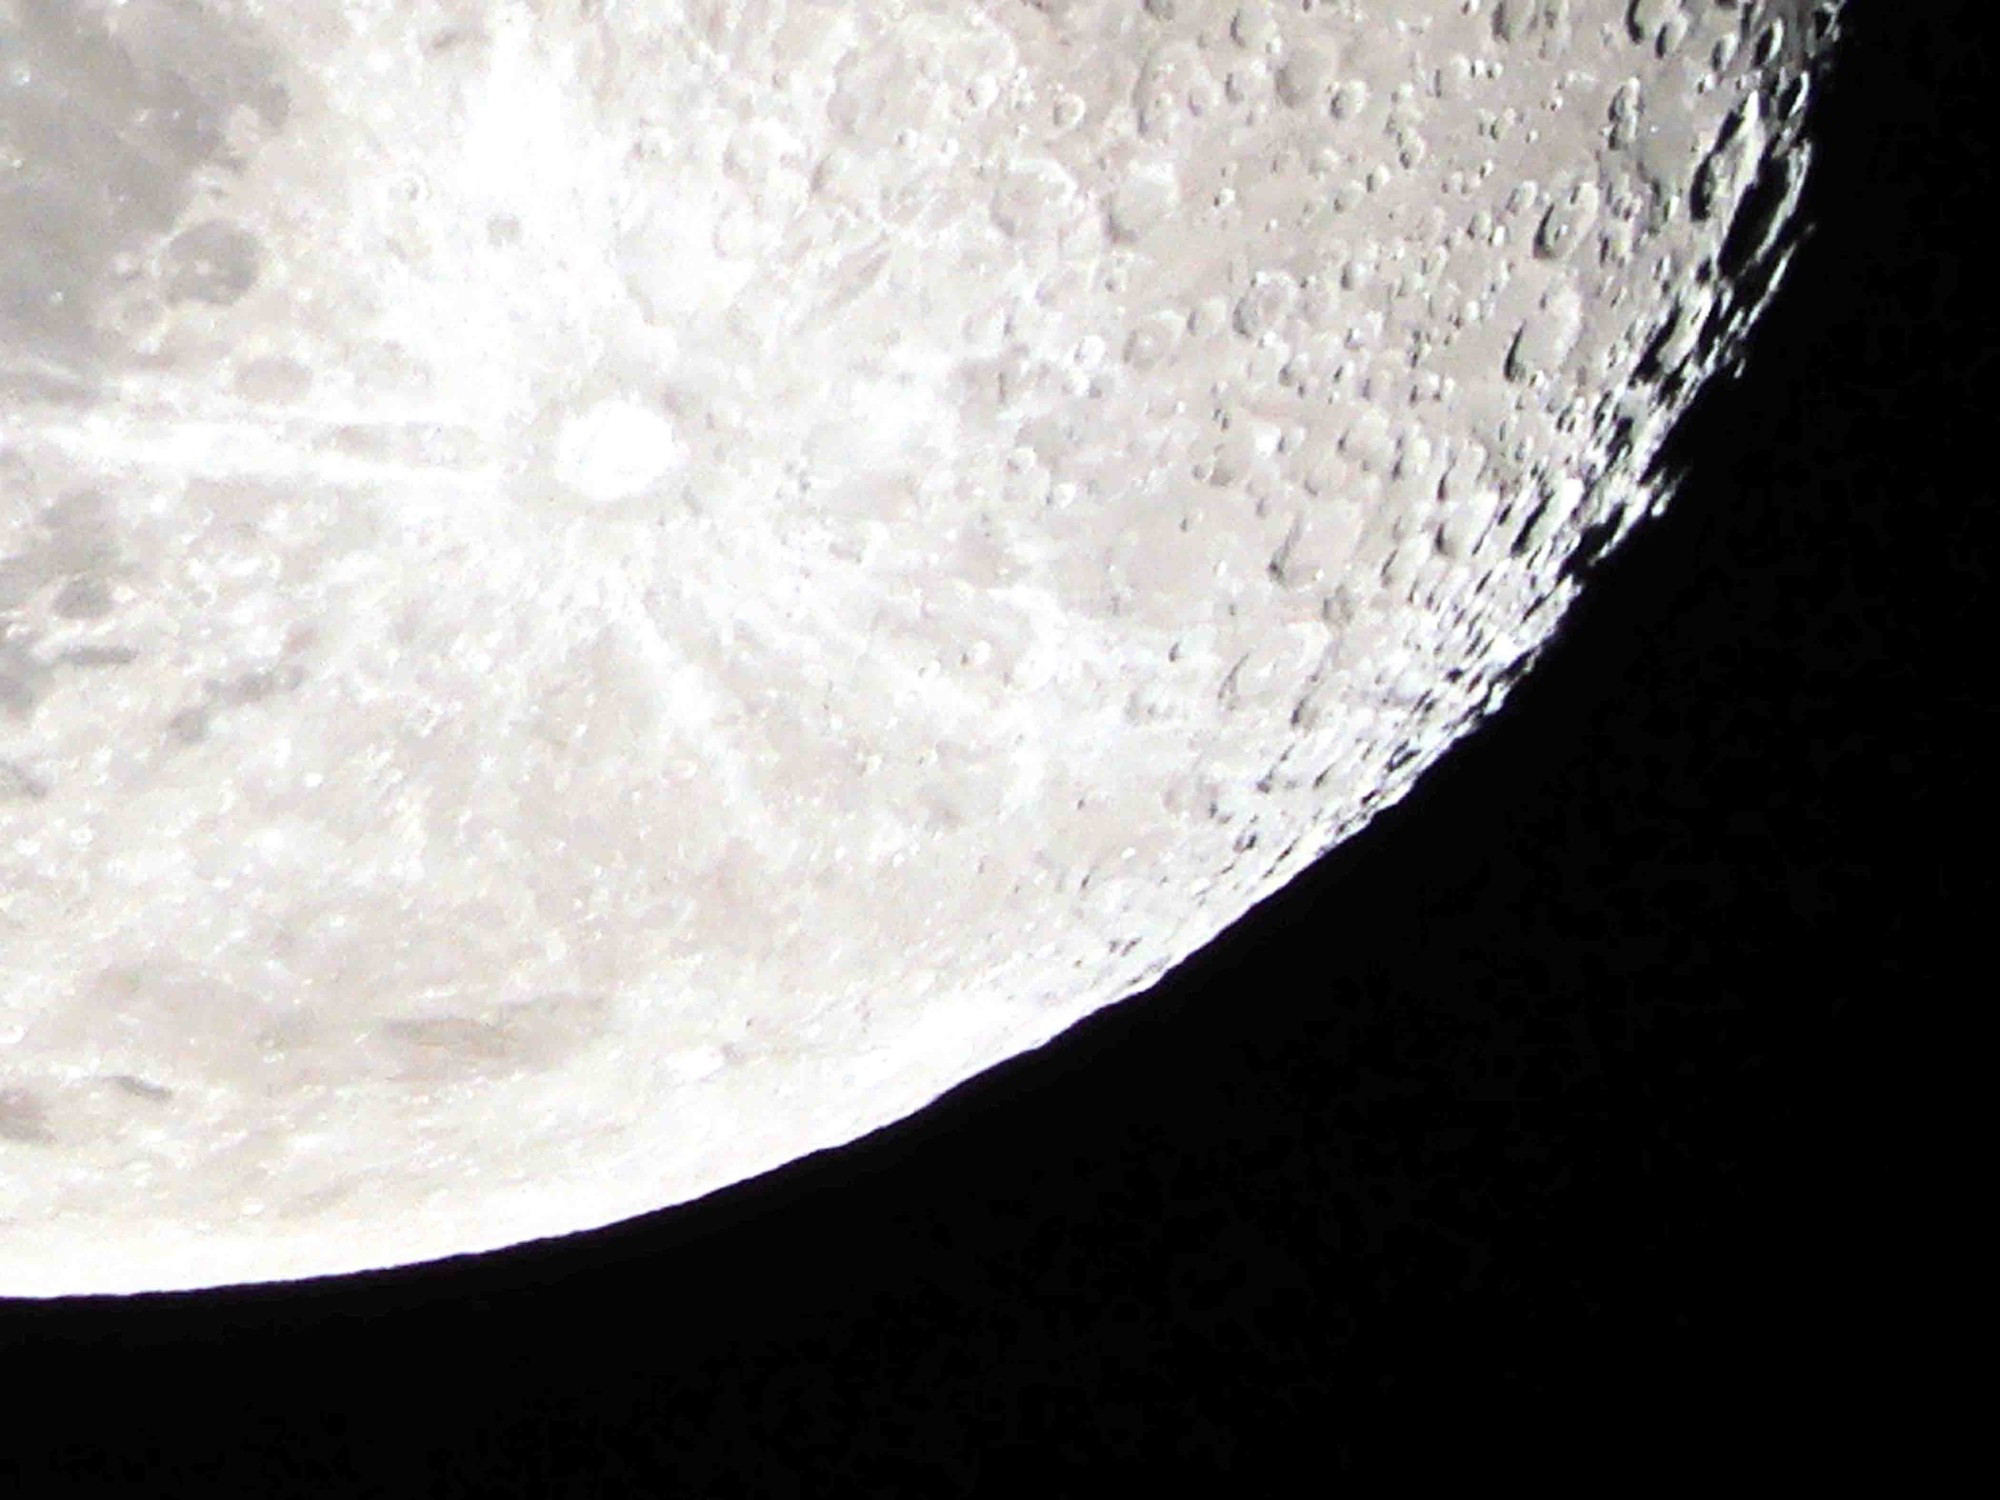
[86, 598]
[266, 682]
[1761, 219]
[24, 680]
[19, 784]
[189, 726]
[24, 1118]
[140, 1088]
[1590, 544]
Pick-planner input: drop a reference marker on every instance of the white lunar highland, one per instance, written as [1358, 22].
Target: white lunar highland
[596, 595]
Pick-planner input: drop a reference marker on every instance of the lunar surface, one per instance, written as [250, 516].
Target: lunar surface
[597, 595]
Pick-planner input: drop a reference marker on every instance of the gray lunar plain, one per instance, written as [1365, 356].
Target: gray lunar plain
[597, 596]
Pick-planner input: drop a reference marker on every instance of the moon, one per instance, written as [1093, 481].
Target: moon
[596, 597]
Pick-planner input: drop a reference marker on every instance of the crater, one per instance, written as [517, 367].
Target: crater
[19, 784]
[140, 1088]
[24, 1118]
[212, 262]
[615, 450]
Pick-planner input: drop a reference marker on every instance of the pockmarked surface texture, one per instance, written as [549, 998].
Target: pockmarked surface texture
[597, 596]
